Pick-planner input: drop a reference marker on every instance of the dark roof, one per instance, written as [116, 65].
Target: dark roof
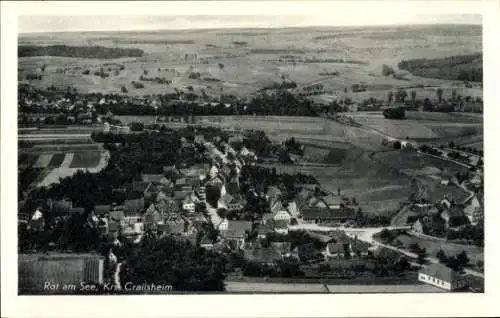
[441, 272]
[140, 185]
[262, 255]
[263, 228]
[102, 209]
[180, 195]
[134, 206]
[282, 247]
[336, 247]
[239, 226]
[77, 210]
[359, 246]
[326, 213]
[280, 224]
[152, 177]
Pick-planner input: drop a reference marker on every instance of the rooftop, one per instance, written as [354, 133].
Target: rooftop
[441, 272]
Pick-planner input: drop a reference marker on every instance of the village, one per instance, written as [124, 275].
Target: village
[275, 227]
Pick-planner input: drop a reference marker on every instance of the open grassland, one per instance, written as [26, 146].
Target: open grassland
[250, 61]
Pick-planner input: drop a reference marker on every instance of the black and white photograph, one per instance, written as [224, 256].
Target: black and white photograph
[244, 153]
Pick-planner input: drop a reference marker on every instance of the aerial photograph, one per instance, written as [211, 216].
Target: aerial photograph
[217, 155]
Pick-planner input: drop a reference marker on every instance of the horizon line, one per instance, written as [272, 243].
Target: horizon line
[257, 27]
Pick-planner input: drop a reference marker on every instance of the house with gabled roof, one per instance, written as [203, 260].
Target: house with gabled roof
[336, 250]
[235, 231]
[152, 218]
[472, 206]
[189, 204]
[441, 276]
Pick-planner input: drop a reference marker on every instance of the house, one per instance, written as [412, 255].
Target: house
[281, 214]
[281, 226]
[283, 248]
[152, 218]
[418, 227]
[331, 201]
[273, 194]
[263, 229]
[293, 210]
[471, 210]
[188, 204]
[172, 226]
[359, 248]
[327, 215]
[102, 209]
[454, 216]
[336, 250]
[441, 276]
[235, 231]
[445, 203]
[206, 243]
[77, 210]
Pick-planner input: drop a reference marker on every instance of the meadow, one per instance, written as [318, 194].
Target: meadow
[245, 61]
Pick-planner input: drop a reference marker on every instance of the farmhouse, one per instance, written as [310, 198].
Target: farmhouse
[441, 276]
[323, 215]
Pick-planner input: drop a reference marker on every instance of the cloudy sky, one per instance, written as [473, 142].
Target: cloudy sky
[202, 15]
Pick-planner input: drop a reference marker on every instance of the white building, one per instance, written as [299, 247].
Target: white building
[441, 276]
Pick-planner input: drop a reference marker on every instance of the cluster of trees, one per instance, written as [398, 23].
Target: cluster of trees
[468, 233]
[33, 77]
[394, 113]
[174, 262]
[471, 150]
[137, 85]
[159, 80]
[333, 73]
[460, 67]
[430, 150]
[456, 262]
[387, 70]
[356, 88]
[283, 268]
[92, 52]
[280, 103]
[292, 146]
[282, 85]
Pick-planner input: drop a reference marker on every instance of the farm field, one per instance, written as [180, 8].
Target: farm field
[85, 159]
[417, 128]
[419, 164]
[433, 246]
[264, 59]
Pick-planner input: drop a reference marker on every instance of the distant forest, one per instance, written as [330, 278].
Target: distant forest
[90, 52]
[460, 67]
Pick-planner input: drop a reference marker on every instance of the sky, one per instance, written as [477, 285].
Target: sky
[261, 16]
